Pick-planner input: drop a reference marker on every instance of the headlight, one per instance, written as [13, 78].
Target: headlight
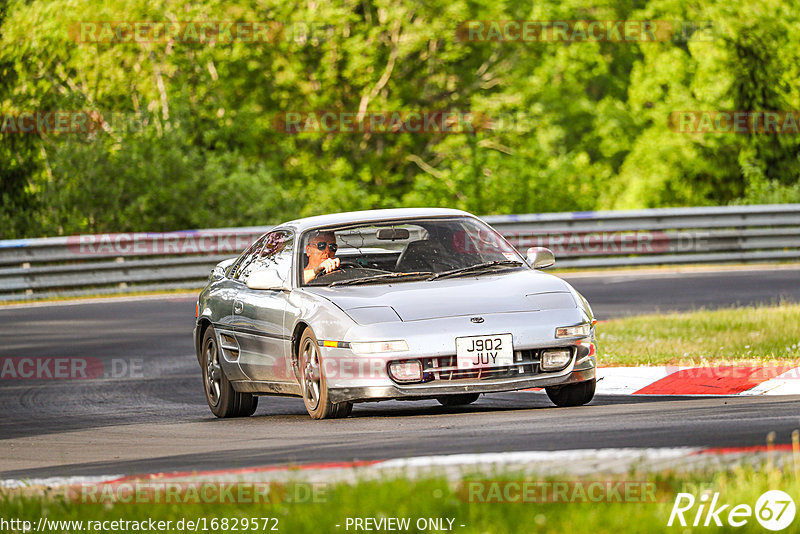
[555, 359]
[579, 330]
[376, 347]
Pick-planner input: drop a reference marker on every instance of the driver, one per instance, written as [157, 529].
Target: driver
[321, 252]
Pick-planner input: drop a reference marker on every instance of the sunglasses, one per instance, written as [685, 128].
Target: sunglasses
[333, 247]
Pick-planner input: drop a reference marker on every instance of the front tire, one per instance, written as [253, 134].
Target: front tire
[572, 394]
[223, 400]
[314, 384]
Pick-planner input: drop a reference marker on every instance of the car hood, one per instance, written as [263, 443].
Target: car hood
[468, 295]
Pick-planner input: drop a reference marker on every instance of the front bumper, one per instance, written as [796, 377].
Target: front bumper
[582, 371]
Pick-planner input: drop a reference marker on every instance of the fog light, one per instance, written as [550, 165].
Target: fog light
[555, 359]
[406, 371]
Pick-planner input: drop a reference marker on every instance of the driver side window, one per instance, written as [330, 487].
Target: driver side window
[273, 251]
[245, 258]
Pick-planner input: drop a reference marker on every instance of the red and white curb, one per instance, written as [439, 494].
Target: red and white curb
[580, 462]
[718, 380]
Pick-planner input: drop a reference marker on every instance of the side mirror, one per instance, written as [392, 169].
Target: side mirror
[540, 257]
[218, 272]
[267, 279]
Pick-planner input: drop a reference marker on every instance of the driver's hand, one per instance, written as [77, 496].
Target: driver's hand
[328, 265]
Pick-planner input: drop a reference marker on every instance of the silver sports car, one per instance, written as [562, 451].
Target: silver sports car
[389, 304]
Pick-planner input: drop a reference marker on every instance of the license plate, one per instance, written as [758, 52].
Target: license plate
[484, 351]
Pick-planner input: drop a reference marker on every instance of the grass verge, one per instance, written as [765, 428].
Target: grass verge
[738, 336]
[500, 504]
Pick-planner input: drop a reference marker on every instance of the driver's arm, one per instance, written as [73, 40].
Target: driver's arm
[327, 266]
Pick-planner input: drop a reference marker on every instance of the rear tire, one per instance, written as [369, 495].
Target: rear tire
[314, 384]
[573, 394]
[461, 399]
[223, 400]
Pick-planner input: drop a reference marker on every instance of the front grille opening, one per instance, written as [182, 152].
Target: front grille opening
[445, 368]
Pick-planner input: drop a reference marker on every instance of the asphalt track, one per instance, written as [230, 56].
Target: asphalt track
[154, 417]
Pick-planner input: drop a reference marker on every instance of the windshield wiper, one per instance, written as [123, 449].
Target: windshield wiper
[386, 276]
[476, 267]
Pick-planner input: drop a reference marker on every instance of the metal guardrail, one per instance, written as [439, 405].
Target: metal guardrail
[660, 236]
[113, 263]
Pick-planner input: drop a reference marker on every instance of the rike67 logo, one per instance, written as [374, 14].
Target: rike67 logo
[774, 510]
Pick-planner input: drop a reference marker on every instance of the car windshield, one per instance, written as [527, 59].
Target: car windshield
[419, 249]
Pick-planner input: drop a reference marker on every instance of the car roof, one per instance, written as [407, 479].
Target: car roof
[354, 217]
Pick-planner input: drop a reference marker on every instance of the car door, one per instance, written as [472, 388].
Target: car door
[259, 314]
[221, 299]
